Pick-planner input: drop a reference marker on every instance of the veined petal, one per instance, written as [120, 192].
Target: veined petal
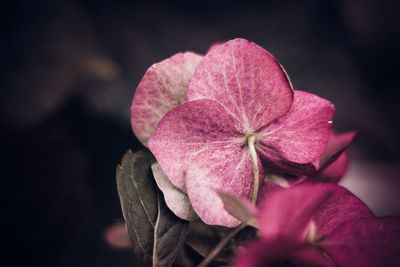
[189, 130]
[367, 242]
[340, 207]
[301, 134]
[176, 200]
[200, 150]
[226, 168]
[246, 80]
[163, 87]
[287, 213]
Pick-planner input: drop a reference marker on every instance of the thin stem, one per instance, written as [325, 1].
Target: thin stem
[214, 253]
[155, 258]
[251, 140]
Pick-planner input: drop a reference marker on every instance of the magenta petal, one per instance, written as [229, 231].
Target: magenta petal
[274, 163]
[288, 212]
[222, 167]
[274, 252]
[163, 87]
[188, 130]
[266, 189]
[340, 207]
[301, 134]
[365, 242]
[246, 80]
[337, 143]
[310, 256]
[176, 200]
[333, 161]
[335, 171]
[280, 252]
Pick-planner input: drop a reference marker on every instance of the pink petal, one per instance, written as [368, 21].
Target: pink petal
[333, 161]
[246, 80]
[287, 213]
[227, 168]
[176, 199]
[340, 207]
[280, 252]
[337, 143]
[188, 130]
[335, 171]
[199, 149]
[267, 253]
[215, 45]
[365, 242]
[274, 163]
[301, 134]
[266, 189]
[311, 256]
[163, 87]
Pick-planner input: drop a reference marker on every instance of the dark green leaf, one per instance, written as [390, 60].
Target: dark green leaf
[156, 233]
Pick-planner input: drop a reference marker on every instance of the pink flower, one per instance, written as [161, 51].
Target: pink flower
[239, 97]
[117, 236]
[163, 87]
[327, 226]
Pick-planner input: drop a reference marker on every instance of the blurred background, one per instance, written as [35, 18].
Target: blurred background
[69, 70]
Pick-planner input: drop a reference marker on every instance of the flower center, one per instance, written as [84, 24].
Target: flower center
[250, 138]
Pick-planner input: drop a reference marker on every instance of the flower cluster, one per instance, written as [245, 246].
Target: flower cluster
[231, 121]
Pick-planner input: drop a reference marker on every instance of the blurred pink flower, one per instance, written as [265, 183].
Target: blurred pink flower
[117, 236]
[238, 92]
[327, 226]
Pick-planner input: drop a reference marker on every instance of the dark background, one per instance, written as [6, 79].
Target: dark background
[68, 74]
